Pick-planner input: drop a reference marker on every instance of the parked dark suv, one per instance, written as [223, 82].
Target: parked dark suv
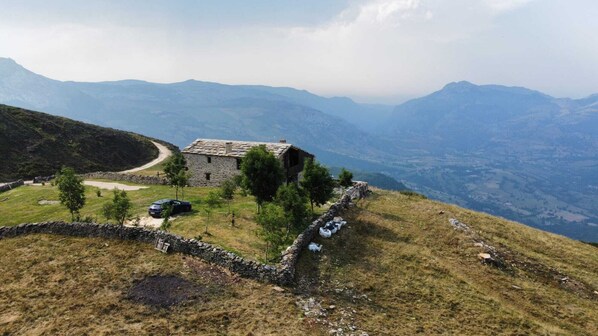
[155, 210]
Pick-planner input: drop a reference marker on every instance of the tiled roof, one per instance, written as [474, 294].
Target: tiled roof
[237, 148]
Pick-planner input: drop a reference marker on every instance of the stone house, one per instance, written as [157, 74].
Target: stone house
[211, 161]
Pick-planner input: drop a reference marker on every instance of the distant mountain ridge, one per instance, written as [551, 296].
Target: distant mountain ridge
[182, 112]
[508, 151]
[38, 144]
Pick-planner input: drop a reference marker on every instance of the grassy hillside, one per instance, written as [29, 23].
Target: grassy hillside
[34, 143]
[405, 270]
[81, 286]
[398, 268]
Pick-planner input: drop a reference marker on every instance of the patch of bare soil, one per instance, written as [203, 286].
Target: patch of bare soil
[210, 273]
[163, 291]
[46, 202]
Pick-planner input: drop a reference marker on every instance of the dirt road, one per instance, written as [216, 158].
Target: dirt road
[164, 153]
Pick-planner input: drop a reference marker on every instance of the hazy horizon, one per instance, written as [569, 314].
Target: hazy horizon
[377, 51]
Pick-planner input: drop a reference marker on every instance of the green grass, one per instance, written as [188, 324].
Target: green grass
[20, 205]
[155, 170]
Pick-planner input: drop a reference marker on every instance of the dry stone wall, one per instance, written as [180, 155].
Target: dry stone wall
[286, 268]
[141, 179]
[208, 252]
[10, 185]
[282, 274]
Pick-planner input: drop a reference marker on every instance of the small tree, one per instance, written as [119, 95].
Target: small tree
[272, 221]
[294, 205]
[227, 191]
[166, 212]
[212, 201]
[317, 183]
[119, 208]
[183, 180]
[345, 178]
[175, 169]
[262, 174]
[71, 191]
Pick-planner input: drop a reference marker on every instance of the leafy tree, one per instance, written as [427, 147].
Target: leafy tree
[262, 174]
[119, 208]
[294, 205]
[317, 183]
[212, 201]
[272, 220]
[345, 178]
[175, 169]
[227, 191]
[72, 191]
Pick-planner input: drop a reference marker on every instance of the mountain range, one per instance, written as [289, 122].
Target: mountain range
[509, 151]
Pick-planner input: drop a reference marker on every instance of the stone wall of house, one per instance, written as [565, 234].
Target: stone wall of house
[221, 168]
[282, 273]
[10, 185]
[141, 179]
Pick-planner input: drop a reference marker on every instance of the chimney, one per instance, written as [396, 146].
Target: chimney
[282, 140]
[228, 147]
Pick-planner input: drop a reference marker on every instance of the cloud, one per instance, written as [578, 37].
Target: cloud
[372, 48]
[505, 5]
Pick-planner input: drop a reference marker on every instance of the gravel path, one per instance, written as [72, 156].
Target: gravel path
[112, 185]
[164, 153]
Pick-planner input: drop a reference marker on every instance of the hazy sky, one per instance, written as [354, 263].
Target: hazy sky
[378, 50]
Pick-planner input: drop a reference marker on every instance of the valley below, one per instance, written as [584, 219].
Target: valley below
[532, 193]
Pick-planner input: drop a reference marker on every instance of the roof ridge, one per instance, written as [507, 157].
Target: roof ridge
[244, 141]
[218, 147]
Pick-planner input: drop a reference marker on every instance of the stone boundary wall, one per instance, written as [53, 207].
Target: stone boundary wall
[205, 251]
[11, 185]
[283, 273]
[141, 179]
[286, 268]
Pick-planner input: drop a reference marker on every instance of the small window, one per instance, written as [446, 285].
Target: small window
[209, 159]
[238, 163]
[207, 176]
